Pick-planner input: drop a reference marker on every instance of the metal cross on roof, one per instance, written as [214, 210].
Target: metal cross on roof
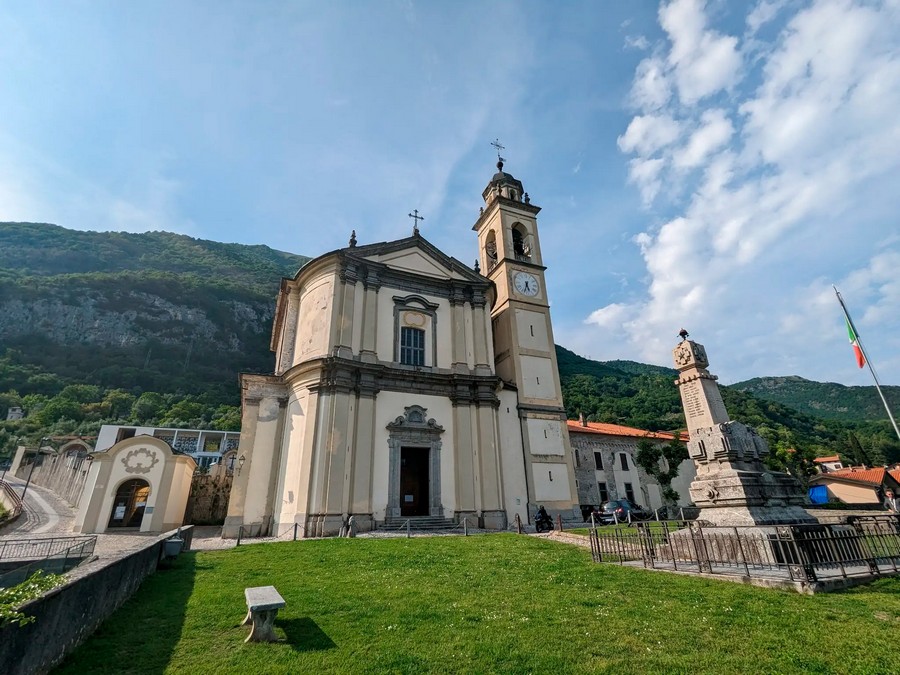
[496, 144]
[416, 218]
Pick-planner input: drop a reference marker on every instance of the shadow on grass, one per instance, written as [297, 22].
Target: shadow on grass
[304, 635]
[141, 636]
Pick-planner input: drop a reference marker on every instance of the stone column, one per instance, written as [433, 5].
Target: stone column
[289, 332]
[361, 502]
[344, 318]
[370, 318]
[462, 461]
[458, 318]
[482, 363]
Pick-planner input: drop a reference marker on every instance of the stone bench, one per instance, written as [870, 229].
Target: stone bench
[263, 603]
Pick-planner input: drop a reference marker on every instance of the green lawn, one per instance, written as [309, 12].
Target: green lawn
[503, 603]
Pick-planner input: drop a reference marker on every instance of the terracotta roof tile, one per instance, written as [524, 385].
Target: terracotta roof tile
[873, 476]
[830, 458]
[895, 474]
[618, 430]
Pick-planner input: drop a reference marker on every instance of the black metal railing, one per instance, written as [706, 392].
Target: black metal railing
[865, 546]
[49, 555]
[33, 549]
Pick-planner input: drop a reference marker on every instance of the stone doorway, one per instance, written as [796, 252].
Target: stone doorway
[130, 504]
[414, 465]
[414, 470]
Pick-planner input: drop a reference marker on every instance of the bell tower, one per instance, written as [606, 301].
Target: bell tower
[510, 256]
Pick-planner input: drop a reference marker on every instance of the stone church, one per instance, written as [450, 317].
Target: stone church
[409, 385]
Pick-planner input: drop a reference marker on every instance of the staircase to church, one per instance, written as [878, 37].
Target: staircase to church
[420, 523]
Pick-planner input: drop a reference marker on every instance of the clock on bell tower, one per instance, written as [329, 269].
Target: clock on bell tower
[525, 356]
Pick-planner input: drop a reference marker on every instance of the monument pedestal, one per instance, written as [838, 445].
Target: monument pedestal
[733, 486]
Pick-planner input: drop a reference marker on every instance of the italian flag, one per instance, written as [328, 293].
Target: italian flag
[854, 342]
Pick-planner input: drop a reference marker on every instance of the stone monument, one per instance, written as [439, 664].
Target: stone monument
[733, 487]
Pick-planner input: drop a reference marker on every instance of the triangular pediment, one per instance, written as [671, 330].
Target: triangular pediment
[417, 256]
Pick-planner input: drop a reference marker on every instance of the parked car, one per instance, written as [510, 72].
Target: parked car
[618, 510]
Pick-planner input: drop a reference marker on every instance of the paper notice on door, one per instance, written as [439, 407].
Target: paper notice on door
[120, 513]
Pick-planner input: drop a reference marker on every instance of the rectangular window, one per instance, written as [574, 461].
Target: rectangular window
[125, 433]
[629, 492]
[604, 494]
[623, 458]
[412, 346]
[598, 460]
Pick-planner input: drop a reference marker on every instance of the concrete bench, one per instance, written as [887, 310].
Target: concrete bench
[263, 603]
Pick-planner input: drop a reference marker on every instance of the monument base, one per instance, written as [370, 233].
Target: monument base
[743, 516]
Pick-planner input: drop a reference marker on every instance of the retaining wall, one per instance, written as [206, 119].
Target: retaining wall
[66, 616]
[65, 474]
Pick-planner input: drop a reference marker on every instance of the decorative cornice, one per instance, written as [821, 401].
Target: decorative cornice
[343, 375]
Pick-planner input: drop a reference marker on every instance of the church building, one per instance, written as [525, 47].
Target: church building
[409, 385]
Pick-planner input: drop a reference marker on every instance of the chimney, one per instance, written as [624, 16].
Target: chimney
[582, 420]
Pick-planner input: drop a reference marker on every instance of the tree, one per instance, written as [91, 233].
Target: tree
[648, 458]
[118, 403]
[148, 407]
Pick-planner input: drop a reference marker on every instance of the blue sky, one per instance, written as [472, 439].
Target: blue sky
[713, 165]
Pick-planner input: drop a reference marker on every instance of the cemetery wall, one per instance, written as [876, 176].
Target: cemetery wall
[68, 615]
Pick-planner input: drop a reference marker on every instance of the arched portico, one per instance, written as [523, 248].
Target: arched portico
[138, 483]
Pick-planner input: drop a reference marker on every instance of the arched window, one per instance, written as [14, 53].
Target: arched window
[129, 504]
[520, 245]
[490, 251]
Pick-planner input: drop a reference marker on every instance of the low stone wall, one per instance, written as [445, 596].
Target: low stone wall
[65, 474]
[66, 616]
[12, 504]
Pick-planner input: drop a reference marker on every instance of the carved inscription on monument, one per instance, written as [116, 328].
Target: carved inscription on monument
[693, 399]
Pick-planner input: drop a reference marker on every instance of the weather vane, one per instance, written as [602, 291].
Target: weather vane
[499, 147]
[416, 218]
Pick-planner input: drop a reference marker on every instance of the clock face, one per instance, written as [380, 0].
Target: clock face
[526, 284]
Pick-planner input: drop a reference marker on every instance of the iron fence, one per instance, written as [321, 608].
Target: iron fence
[57, 556]
[32, 549]
[863, 547]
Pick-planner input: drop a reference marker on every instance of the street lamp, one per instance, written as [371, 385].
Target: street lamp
[33, 464]
[241, 461]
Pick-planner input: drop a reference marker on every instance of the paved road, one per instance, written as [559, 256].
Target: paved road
[44, 514]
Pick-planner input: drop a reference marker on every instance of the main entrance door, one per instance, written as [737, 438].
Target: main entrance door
[129, 504]
[414, 470]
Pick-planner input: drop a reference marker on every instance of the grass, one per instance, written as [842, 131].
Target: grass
[503, 603]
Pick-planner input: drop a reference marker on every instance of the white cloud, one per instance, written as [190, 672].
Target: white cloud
[763, 13]
[609, 317]
[704, 61]
[645, 174]
[648, 133]
[715, 131]
[637, 42]
[796, 176]
[651, 88]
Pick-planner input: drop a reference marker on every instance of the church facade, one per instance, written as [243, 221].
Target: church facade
[408, 385]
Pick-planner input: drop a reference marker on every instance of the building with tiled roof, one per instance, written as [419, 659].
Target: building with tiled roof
[859, 485]
[830, 463]
[606, 468]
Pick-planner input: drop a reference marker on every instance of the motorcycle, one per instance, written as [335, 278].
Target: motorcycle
[543, 524]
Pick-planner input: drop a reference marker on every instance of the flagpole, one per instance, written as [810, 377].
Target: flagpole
[868, 362]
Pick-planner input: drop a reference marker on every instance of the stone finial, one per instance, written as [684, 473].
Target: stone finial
[527, 198]
[353, 239]
[477, 267]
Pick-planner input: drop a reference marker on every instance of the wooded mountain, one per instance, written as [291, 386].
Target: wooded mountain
[112, 327]
[153, 311]
[828, 400]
